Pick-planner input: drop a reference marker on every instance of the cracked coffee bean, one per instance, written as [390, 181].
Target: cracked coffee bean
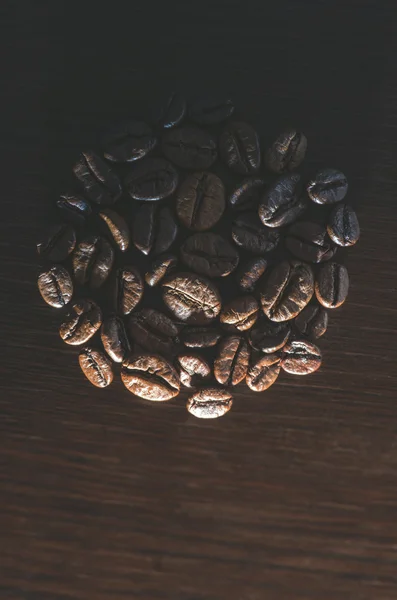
[239, 148]
[287, 152]
[309, 242]
[332, 285]
[150, 377]
[74, 208]
[151, 179]
[93, 261]
[210, 403]
[343, 227]
[114, 338]
[327, 187]
[231, 363]
[210, 111]
[162, 266]
[128, 142]
[154, 331]
[58, 244]
[193, 369]
[100, 183]
[209, 254]
[250, 273]
[191, 298]
[240, 313]
[96, 367]
[268, 336]
[263, 373]
[281, 203]
[118, 228]
[154, 229]
[55, 286]
[82, 323]
[249, 233]
[173, 111]
[200, 201]
[200, 337]
[301, 357]
[312, 321]
[128, 290]
[246, 196]
[189, 148]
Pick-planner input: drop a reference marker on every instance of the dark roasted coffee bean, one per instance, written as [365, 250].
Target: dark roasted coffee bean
[239, 148]
[193, 369]
[231, 363]
[250, 273]
[300, 357]
[200, 337]
[287, 290]
[154, 229]
[93, 261]
[74, 208]
[114, 338]
[117, 227]
[150, 377]
[191, 298]
[210, 403]
[96, 367]
[128, 142]
[309, 242]
[58, 243]
[312, 321]
[82, 323]
[200, 201]
[240, 313]
[100, 183]
[249, 233]
[162, 266]
[128, 290]
[55, 286]
[154, 331]
[281, 203]
[263, 373]
[247, 195]
[327, 187]
[209, 254]
[189, 148]
[152, 179]
[173, 111]
[343, 227]
[267, 336]
[332, 285]
[209, 111]
[287, 152]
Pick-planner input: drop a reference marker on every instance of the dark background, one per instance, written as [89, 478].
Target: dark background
[293, 495]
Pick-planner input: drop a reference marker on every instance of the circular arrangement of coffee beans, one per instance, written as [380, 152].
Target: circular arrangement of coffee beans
[194, 258]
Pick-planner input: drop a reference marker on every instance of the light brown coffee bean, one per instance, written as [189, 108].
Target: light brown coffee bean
[263, 373]
[301, 357]
[96, 367]
[114, 338]
[128, 289]
[240, 313]
[193, 369]
[150, 377]
[82, 323]
[231, 363]
[210, 403]
[55, 286]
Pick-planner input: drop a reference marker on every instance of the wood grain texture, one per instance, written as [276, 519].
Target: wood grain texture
[293, 495]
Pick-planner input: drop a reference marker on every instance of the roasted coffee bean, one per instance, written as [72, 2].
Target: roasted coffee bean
[209, 111]
[93, 261]
[343, 227]
[96, 367]
[239, 148]
[300, 357]
[128, 290]
[189, 148]
[240, 313]
[287, 290]
[200, 201]
[209, 254]
[100, 183]
[128, 142]
[55, 286]
[173, 111]
[150, 377]
[117, 227]
[249, 233]
[152, 179]
[246, 196]
[328, 186]
[268, 337]
[309, 242]
[82, 323]
[210, 403]
[287, 152]
[281, 203]
[154, 229]
[250, 273]
[74, 208]
[58, 243]
[200, 337]
[231, 363]
[332, 285]
[191, 298]
[312, 321]
[114, 338]
[263, 373]
[154, 331]
[193, 369]
[162, 266]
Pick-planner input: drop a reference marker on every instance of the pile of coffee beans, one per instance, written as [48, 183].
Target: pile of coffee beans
[192, 259]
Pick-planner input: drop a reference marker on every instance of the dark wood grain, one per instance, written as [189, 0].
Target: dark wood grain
[293, 495]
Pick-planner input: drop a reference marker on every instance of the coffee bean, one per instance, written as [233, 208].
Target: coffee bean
[249, 233]
[240, 313]
[58, 243]
[193, 369]
[154, 331]
[200, 337]
[128, 290]
[114, 338]
[281, 203]
[312, 321]
[263, 373]
[300, 357]
[150, 377]
[268, 336]
[328, 186]
[287, 290]
[287, 152]
[246, 195]
[200, 201]
[209, 111]
[82, 323]
[191, 298]
[190, 148]
[154, 229]
[100, 183]
[239, 148]
[309, 242]
[210, 403]
[152, 179]
[209, 254]
[55, 286]
[343, 227]
[250, 273]
[96, 367]
[231, 363]
[117, 227]
[128, 142]
[162, 266]
[332, 285]
[93, 261]
[173, 111]
[74, 208]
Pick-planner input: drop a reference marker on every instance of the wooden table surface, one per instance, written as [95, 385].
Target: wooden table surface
[293, 495]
